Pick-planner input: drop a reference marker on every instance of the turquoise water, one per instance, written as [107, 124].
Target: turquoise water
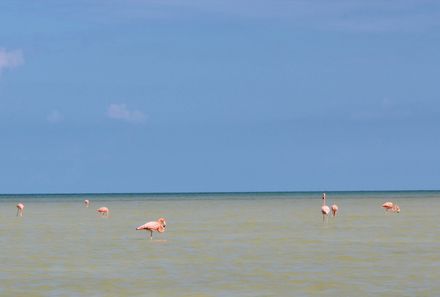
[251, 244]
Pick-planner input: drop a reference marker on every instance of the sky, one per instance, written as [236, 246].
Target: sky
[207, 96]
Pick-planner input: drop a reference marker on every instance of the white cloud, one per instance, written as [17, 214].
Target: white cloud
[121, 112]
[10, 59]
[55, 116]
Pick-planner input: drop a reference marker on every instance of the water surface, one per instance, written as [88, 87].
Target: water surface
[265, 244]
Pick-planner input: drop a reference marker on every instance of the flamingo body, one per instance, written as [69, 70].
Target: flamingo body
[388, 205]
[158, 226]
[335, 209]
[103, 211]
[86, 202]
[395, 208]
[325, 210]
[20, 209]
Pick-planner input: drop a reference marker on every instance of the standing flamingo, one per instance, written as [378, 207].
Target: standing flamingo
[20, 209]
[388, 205]
[86, 203]
[325, 210]
[103, 211]
[158, 226]
[334, 209]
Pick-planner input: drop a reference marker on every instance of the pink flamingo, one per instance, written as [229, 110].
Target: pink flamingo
[86, 203]
[103, 211]
[325, 210]
[334, 209]
[395, 208]
[158, 226]
[20, 209]
[388, 205]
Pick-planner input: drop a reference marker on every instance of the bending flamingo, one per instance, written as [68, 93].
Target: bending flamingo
[20, 209]
[158, 226]
[86, 203]
[388, 205]
[103, 211]
[325, 210]
[395, 208]
[334, 209]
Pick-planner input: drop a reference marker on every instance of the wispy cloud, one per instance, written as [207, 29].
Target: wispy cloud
[121, 112]
[10, 59]
[338, 15]
[55, 116]
[357, 16]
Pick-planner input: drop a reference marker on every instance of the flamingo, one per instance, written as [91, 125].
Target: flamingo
[158, 226]
[395, 208]
[334, 209]
[325, 210]
[20, 209]
[103, 211]
[388, 205]
[86, 203]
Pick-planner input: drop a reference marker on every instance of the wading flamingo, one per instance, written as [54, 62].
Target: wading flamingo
[103, 211]
[325, 210]
[158, 226]
[20, 209]
[395, 208]
[388, 205]
[334, 209]
[86, 203]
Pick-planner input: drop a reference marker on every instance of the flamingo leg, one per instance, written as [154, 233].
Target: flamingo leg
[151, 234]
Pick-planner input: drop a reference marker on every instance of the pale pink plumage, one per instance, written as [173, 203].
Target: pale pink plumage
[20, 209]
[325, 210]
[158, 226]
[335, 209]
[104, 211]
[388, 205]
[86, 202]
[395, 208]
[391, 207]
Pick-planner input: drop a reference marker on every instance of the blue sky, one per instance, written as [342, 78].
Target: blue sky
[170, 96]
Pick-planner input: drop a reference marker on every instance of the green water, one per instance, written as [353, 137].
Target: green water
[221, 245]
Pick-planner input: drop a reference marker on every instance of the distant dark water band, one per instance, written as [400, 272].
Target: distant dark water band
[218, 196]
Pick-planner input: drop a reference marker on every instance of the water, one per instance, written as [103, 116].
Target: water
[267, 244]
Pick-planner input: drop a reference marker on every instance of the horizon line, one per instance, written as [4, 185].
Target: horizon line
[210, 192]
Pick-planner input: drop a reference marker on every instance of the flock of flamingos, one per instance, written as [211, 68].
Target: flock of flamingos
[325, 210]
[160, 224]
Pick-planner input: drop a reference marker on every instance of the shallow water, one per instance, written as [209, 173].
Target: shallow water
[221, 245]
